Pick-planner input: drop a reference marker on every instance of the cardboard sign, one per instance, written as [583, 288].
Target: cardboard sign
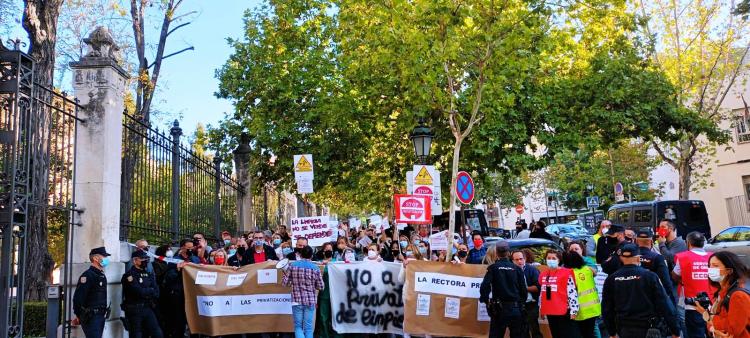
[317, 230]
[439, 241]
[366, 297]
[304, 173]
[218, 310]
[453, 309]
[413, 209]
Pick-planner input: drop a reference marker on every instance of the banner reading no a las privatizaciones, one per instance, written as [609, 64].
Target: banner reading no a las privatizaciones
[221, 301]
[366, 297]
[443, 300]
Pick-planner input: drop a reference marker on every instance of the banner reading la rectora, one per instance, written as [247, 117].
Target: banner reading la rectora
[221, 301]
[443, 300]
[366, 297]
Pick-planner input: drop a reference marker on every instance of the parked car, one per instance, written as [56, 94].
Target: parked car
[688, 216]
[735, 239]
[537, 245]
[566, 233]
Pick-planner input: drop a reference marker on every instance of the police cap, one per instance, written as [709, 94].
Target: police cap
[99, 251]
[139, 254]
[615, 228]
[645, 234]
[629, 250]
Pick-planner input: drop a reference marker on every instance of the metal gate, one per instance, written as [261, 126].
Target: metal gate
[37, 170]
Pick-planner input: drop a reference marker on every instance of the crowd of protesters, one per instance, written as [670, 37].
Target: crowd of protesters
[561, 290]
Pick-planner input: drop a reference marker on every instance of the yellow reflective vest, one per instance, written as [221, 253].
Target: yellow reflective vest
[588, 297]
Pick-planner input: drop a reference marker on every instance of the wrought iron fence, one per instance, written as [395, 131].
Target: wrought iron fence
[168, 191]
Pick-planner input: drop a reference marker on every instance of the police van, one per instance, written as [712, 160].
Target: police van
[688, 216]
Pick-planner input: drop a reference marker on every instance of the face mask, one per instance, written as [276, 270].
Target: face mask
[105, 262]
[286, 251]
[232, 252]
[403, 244]
[552, 263]
[423, 251]
[328, 253]
[372, 254]
[663, 232]
[277, 242]
[628, 240]
[226, 242]
[416, 242]
[714, 274]
[349, 257]
[409, 253]
[477, 243]
[462, 254]
[219, 260]
[605, 231]
[258, 242]
[170, 253]
[241, 250]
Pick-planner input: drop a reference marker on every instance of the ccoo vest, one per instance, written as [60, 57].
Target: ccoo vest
[694, 272]
[588, 297]
[557, 305]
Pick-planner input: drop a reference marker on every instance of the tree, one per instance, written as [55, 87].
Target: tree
[701, 47]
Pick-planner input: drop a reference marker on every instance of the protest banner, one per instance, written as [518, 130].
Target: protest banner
[366, 297]
[442, 299]
[315, 229]
[220, 300]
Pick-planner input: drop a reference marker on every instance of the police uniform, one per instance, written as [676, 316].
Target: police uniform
[634, 299]
[656, 263]
[90, 298]
[507, 284]
[139, 297]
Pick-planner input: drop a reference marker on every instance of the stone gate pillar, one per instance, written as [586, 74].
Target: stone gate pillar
[245, 211]
[99, 85]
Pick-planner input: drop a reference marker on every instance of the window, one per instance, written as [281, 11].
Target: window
[726, 235]
[746, 184]
[623, 216]
[742, 126]
[642, 216]
[611, 215]
[743, 234]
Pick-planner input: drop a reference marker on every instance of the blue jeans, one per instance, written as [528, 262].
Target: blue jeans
[694, 325]
[303, 320]
[681, 320]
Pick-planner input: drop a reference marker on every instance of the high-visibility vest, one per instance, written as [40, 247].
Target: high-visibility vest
[693, 272]
[588, 297]
[557, 305]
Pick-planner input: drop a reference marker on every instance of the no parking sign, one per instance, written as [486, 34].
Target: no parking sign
[464, 187]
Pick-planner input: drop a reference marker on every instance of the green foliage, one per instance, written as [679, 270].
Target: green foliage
[34, 319]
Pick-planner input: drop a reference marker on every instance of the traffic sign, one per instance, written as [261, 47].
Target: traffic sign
[304, 173]
[592, 202]
[619, 195]
[519, 208]
[464, 187]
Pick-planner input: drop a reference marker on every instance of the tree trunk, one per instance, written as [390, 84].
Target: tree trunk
[685, 174]
[452, 208]
[40, 22]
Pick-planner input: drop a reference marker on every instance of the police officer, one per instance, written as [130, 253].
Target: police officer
[506, 282]
[139, 296]
[654, 262]
[634, 299]
[90, 297]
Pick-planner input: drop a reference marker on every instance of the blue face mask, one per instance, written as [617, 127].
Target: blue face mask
[277, 242]
[416, 242]
[286, 251]
[403, 244]
[226, 242]
[423, 251]
[232, 252]
[552, 263]
[105, 262]
[409, 253]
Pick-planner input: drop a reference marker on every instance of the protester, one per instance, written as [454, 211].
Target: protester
[175, 290]
[281, 230]
[90, 297]
[301, 243]
[220, 257]
[395, 252]
[305, 279]
[580, 249]
[412, 252]
[462, 254]
[164, 314]
[691, 273]
[669, 243]
[226, 239]
[559, 296]
[202, 243]
[424, 249]
[140, 293]
[588, 297]
[489, 258]
[522, 231]
[507, 285]
[341, 245]
[261, 251]
[538, 231]
[728, 316]
[602, 231]
[238, 259]
[531, 304]
[373, 253]
[634, 298]
[477, 253]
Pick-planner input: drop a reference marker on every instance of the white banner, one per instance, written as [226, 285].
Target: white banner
[449, 285]
[317, 230]
[261, 304]
[439, 241]
[366, 297]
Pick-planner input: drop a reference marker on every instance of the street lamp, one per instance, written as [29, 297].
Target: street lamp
[421, 137]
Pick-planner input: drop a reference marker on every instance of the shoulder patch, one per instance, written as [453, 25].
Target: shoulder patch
[83, 279]
[130, 278]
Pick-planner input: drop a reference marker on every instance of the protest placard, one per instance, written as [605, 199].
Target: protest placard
[228, 307]
[439, 241]
[315, 229]
[454, 299]
[366, 297]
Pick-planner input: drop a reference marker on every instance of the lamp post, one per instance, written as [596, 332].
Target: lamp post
[421, 138]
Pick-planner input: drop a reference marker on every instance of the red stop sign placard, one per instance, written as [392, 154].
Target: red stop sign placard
[412, 209]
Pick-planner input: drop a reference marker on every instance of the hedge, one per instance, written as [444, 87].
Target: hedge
[34, 319]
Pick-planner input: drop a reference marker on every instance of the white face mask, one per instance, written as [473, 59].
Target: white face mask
[349, 257]
[714, 274]
[170, 253]
[372, 254]
[605, 231]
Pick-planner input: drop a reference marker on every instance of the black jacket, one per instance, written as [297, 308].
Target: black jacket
[139, 287]
[506, 282]
[249, 257]
[633, 297]
[91, 291]
[605, 247]
[650, 261]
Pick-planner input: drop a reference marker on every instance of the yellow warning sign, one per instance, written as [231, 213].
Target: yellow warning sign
[303, 165]
[423, 177]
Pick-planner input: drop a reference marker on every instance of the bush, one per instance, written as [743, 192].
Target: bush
[34, 319]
